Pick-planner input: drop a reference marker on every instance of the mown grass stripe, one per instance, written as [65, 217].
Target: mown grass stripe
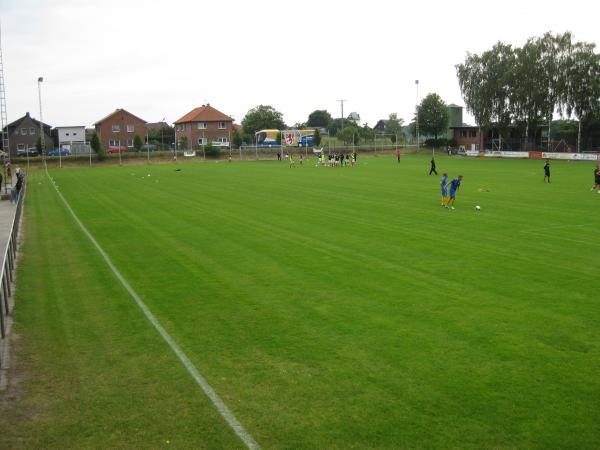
[221, 407]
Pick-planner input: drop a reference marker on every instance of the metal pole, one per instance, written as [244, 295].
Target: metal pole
[42, 140]
[90, 152]
[162, 131]
[148, 145]
[120, 136]
[417, 122]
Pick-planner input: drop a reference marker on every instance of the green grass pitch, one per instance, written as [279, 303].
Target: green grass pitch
[329, 308]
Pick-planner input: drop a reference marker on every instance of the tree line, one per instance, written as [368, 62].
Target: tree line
[525, 86]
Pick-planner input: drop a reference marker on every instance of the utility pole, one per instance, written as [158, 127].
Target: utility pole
[342, 105]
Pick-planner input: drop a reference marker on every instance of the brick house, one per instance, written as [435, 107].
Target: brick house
[119, 128]
[473, 138]
[467, 137]
[23, 134]
[203, 125]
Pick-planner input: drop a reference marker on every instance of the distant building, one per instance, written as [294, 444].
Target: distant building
[23, 134]
[455, 119]
[203, 125]
[355, 117]
[379, 127]
[119, 128]
[72, 139]
[469, 137]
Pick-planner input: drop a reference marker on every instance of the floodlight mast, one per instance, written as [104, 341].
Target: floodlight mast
[42, 140]
[417, 120]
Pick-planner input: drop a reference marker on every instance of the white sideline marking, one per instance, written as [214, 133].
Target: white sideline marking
[208, 390]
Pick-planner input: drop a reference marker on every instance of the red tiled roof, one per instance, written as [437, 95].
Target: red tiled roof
[118, 111]
[205, 113]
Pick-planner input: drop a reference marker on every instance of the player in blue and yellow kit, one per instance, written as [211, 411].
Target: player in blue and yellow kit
[454, 185]
[444, 188]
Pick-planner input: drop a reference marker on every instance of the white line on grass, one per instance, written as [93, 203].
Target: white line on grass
[208, 390]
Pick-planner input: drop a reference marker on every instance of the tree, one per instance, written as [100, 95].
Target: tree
[498, 64]
[554, 54]
[365, 132]
[317, 137]
[336, 124]
[319, 118]
[137, 142]
[564, 130]
[349, 135]
[527, 85]
[393, 127]
[236, 137]
[262, 117]
[583, 88]
[97, 146]
[183, 143]
[529, 99]
[471, 81]
[433, 115]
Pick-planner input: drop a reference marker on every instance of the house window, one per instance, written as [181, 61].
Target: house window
[202, 141]
[463, 133]
[202, 125]
[473, 133]
[130, 128]
[24, 131]
[20, 146]
[32, 131]
[129, 143]
[222, 140]
[181, 127]
[221, 125]
[114, 143]
[116, 128]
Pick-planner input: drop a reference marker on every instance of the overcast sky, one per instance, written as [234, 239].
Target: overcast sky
[161, 59]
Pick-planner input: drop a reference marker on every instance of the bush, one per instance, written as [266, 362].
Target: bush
[97, 147]
[441, 142]
[211, 151]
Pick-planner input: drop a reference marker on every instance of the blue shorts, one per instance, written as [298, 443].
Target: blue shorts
[444, 192]
[452, 193]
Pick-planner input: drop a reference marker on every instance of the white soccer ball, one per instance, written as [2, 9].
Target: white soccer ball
[477, 208]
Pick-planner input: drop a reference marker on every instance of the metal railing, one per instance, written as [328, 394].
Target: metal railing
[8, 265]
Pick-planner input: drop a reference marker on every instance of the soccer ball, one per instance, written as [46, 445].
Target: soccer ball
[477, 208]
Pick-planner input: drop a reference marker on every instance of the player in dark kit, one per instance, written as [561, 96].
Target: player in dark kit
[432, 170]
[547, 170]
[596, 178]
